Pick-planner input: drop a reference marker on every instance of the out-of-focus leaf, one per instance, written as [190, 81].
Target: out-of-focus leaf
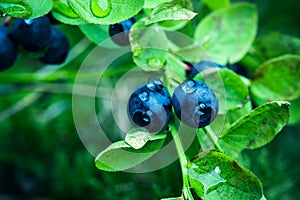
[228, 33]
[216, 4]
[277, 79]
[273, 45]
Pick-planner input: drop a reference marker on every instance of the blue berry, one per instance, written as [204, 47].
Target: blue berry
[33, 34]
[239, 69]
[193, 70]
[195, 104]
[58, 48]
[120, 31]
[150, 106]
[8, 49]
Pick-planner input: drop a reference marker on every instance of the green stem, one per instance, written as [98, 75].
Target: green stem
[212, 136]
[183, 163]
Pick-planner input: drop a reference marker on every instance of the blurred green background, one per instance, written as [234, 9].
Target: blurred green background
[41, 155]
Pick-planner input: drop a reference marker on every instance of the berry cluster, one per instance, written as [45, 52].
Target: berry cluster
[150, 105]
[33, 35]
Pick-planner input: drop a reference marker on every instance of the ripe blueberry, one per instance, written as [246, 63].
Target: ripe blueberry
[58, 48]
[150, 106]
[8, 49]
[239, 69]
[195, 104]
[32, 34]
[120, 31]
[193, 70]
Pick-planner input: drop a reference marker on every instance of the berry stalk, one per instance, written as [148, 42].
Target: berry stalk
[183, 162]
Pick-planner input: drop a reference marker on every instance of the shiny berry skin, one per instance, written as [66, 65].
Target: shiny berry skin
[58, 48]
[33, 34]
[8, 49]
[120, 31]
[150, 106]
[195, 104]
[193, 70]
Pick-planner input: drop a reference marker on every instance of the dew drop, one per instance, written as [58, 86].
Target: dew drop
[100, 8]
[28, 21]
[155, 63]
[155, 84]
[137, 52]
[188, 86]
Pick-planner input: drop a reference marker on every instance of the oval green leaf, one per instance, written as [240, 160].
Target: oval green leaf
[277, 79]
[121, 156]
[149, 46]
[258, 127]
[216, 4]
[273, 45]
[154, 3]
[63, 13]
[115, 10]
[216, 175]
[169, 11]
[228, 33]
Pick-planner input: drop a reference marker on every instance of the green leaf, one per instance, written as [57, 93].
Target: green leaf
[63, 13]
[154, 3]
[121, 156]
[172, 25]
[294, 112]
[39, 7]
[106, 11]
[228, 33]
[216, 4]
[17, 9]
[216, 175]
[169, 11]
[231, 116]
[149, 46]
[173, 198]
[26, 8]
[230, 89]
[193, 53]
[277, 79]
[273, 45]
[98, 34]
[258, 127]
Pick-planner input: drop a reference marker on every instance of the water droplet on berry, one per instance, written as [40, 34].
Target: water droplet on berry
[100, 8]
[155, 63]
[155, 84]
[188, 86]
[144, 96]
[28, 21]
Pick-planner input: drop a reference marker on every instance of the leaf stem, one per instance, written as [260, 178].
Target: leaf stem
[212, 136]
[183, 163]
